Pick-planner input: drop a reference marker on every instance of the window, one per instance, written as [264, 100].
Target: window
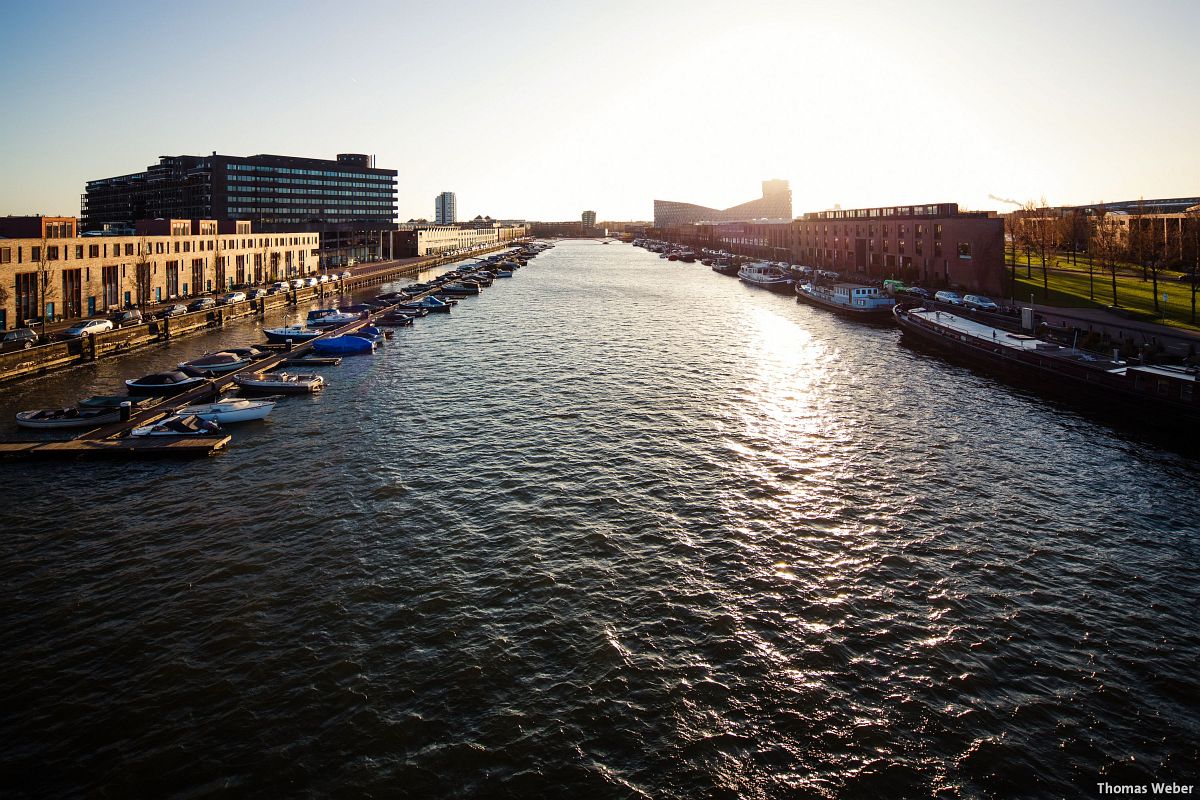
[93, 251]
[937, 231]
[79, 251]
[129, 249]
[52, 253]
[5, 255]
[937, 248]
[964, 249]
[35, 254]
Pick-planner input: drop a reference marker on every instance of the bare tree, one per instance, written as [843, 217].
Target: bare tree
[46, 289]
[1012, 226]
[1104, 242]
[1190, 236]
[141, 277]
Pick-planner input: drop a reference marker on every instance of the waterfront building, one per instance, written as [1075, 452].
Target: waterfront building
[445, 209]
[775, 204]
[422, 239]
[348, 201]
[589, 220]
[60, 274]
[934, 245]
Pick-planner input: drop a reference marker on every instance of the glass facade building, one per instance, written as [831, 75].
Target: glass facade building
[347, 200]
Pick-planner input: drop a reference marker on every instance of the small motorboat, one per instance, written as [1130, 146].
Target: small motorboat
[114, 401]
[429, 304]
[395, 320]
[330, 318]
[216, 363]
[371, 333]
[280, 382]
[178, 425]
[164, 383]
[225, 412]
[297, 333]
[463, 289]
[66, 418]
[250, 353]
[345, 345]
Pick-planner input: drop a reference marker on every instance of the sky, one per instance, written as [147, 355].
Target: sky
[540, 110]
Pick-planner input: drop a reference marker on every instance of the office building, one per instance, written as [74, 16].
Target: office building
[55, 272]
[445, 209]
[775, 204]
[589, 220]
[347, 200]
[423, 239]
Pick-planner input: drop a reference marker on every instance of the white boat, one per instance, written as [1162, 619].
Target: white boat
[280, 382]
[216, 363]
[848, 299]
[768, 276]
[225, 412]
[65, 418]
[297, 333]
[330, 318]
[178, 425]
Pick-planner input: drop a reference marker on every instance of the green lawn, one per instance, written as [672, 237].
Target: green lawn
[1069, 288]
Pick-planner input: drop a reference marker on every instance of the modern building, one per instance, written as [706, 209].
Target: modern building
[445, 209]
[347, 200]
[589, 220]
[62, 275]
[775, 204]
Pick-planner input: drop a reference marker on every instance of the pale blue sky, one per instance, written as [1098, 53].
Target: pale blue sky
[543, 109]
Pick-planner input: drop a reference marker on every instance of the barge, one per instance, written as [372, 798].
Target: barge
[848, 299]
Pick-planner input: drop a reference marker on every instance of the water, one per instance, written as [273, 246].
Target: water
[616, 528]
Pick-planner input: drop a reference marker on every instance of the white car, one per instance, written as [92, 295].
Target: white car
[346, 275]
[980, 303]
[311, 281]
[232, 297]
[91, 326]
[298, 283]
[948, 297]
[323, 279]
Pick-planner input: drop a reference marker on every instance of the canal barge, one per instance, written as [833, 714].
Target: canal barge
[852, 300]
[767, 276]
[1165, 388]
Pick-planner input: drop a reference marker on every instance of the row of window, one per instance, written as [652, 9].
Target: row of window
[901, 230]
[272, 183]
[289, 171]
[306, 191]
[56, 252]
[268, 201]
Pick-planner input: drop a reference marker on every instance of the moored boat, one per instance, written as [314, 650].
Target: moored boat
[329, 318]
[216, 363]
[164, 383]
[767, 276]
[280, 382]
[1164, 388]
[67, 418]
[848, 299]
[178, 425]
[296, 333]
[344, 345]
[234, 410]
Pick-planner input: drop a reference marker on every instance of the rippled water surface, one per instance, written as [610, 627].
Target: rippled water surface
[618, 527]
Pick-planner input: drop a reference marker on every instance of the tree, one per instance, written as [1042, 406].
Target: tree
[141, 276]
[1190, 236]
[1104, 242]
[1012, 227]
[46, 289]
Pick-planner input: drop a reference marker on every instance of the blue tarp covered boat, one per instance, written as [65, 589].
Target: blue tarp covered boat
[344, 345]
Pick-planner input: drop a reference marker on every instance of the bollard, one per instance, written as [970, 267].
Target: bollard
[287, 345]
[126, 410]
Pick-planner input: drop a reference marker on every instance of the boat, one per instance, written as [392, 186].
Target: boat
[67, 418]
[459, 289]
[229, 411]
[330, 318]
[178, 425]
[250, 353]
[280, 382]
[726, 268]
[344, 345]
[1144, 387]
[115, 401]
[371, 333]
[429, 304]
[768, 276]
[296, 333]
[848, 299]
[395, 319]
[164, 383]
[216, 363]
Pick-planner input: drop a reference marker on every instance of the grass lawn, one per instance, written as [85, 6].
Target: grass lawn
[1069, 289]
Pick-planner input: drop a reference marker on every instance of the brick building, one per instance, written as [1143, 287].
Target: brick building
[63, 275]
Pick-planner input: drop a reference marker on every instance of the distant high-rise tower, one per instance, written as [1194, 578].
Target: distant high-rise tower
[445, 209]
[589, 219]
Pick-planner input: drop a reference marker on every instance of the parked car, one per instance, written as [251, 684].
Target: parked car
[201, 304]
[310, 282]
[345, 275]
[123, 319]
[278, 286]
[90, 326]
[231, 297]
[948, 297]
[917, 291]
[297, 283]
[19, 339]
[257, 293]
[980, 303]
[173, 311]
[323, 279]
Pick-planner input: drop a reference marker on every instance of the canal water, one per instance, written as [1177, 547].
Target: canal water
[618, 527]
